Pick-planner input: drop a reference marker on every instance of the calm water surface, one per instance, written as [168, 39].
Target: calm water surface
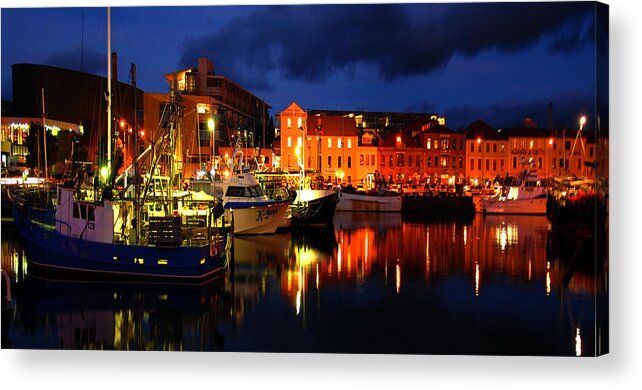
[373, 284]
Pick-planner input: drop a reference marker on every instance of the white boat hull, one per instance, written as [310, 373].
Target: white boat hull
[264, 219]
[370, 203]
[535, 206]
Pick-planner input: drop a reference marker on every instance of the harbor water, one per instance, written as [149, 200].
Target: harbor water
[374, 283]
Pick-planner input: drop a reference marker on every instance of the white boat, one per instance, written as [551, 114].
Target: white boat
[527, 195]
[253, 212]
[381, 201]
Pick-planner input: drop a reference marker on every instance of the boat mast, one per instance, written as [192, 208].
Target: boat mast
[135, 162]
[44, 131]
[109, 89]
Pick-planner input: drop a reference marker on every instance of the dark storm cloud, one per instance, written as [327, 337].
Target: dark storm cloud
[311, 42]
[87, 60]
[567, 108]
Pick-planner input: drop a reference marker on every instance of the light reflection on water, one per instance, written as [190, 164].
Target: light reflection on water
[373, 284]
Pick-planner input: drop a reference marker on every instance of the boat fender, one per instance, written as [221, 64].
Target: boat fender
[213, 249]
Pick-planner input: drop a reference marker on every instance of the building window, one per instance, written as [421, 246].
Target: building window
[349, 143]
[472, 164]
[367, 160]
[444, 161]
[428, 144]
[372, 159]
[479, 147]
[553, 164]
[501, 164]
[461, 162]
[401, 159]
[561, 163]
[349, 160]
[299, 123]
[298, 141]
[289, 142]
[409, 161]
[494, 147]
[436, 161]
[339, 143]
[487, 147]
[514, 162]
[361, 159]
[390, 160]
[329, 142]
[339, 162]
[289, 123]
[501, 147]
[539, 165]
[472, 146]
[435, 144]
[591, 152]
[444, 143]
[454, 163]
[494, 164]
[487, 164]
[479, 164]
[454, 144]
[329, 161]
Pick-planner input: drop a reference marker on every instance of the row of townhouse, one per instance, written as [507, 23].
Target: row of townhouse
[337, 149]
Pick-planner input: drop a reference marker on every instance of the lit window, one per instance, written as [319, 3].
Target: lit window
[289, 123]
[428, 144]
[289, 142]
[329, 142]
[299, 122]
[350, 144]
[339, 143]
[298, 141]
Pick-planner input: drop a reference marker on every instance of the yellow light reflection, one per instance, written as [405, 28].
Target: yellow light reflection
[548, 278]
[298, 302]
[503, 238]
[578, 343]
[339, 259]
[366, 247]
[530, 272]
[398, 276]
[317, 278]
[465, 234]
[476, 279]
[427, 253]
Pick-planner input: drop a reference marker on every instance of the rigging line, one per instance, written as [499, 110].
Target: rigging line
[140, 75]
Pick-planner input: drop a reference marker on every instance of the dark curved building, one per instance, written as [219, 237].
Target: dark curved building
[74, 97]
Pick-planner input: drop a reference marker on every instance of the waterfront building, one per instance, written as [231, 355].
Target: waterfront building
[444, 153]
[75, 98]
[401, 159]
[325, 144]
[486, 152]
[15, 142]
[216, 112]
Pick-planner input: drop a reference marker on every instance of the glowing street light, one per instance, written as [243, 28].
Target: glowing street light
[210, 124]
[582, 122]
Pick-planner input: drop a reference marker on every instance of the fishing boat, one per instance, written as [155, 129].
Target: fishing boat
[309, 206]
[379, 200]
[99, 228]
[524, 195]
[240, 193]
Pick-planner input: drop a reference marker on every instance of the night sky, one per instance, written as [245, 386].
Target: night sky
[499, 62]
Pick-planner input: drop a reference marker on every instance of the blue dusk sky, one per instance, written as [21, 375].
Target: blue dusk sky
[499, 62]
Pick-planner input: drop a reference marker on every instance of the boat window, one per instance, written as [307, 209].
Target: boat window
[158, 207]
[83, 211]
[255, 191]
[76, 212]
[91, 213]
[235, 191]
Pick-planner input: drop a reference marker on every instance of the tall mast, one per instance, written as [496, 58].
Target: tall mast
[135, 157]
[109, 90]
[44, 131]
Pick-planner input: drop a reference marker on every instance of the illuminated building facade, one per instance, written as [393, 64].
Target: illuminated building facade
[235, 109]
[15, 148]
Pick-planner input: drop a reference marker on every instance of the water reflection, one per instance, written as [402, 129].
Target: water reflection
[373, 283]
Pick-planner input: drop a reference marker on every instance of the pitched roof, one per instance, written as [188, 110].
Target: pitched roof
[391, 140]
